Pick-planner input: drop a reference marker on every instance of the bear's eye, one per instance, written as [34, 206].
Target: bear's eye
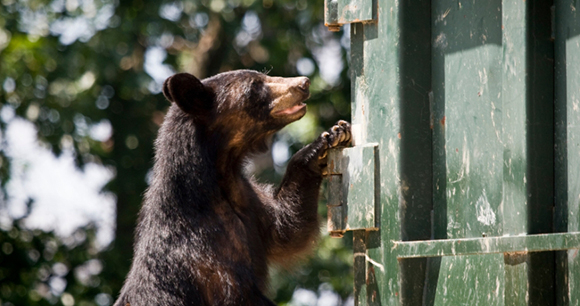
[256, 84]
[256, 87]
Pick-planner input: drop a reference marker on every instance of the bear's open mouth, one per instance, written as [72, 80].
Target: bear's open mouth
[290, 110]
[288, 96]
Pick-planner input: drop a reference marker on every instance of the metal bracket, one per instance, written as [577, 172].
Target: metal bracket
[352, 189]
[339, 12]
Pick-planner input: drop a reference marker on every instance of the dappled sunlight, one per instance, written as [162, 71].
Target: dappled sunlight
[64, 198]
[81, 103]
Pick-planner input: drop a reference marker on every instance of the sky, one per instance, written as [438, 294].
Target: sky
[64, 197]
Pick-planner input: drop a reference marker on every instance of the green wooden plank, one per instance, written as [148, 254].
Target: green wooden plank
[468, 149]
[567, 117]
[515, 157]
[376, 97]
[487, 245]
[468, 90]
[513, 111]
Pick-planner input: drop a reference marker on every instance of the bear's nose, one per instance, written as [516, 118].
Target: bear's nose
[304, 83]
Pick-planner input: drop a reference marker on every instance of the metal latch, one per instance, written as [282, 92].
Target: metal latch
[353, 190]
[339, 12]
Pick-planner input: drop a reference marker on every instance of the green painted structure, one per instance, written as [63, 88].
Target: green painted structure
[463, 183]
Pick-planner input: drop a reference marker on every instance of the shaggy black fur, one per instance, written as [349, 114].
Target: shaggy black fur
[206, 233]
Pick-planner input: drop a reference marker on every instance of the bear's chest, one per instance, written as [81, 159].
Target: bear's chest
[243, 237]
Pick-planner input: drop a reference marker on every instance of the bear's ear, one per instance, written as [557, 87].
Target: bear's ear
[189, 94]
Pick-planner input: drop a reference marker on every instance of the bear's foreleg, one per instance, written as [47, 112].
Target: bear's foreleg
[296, 213]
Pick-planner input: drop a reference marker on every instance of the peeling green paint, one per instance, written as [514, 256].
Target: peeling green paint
[474, 109]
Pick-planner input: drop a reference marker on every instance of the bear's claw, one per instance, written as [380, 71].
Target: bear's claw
[337, 136]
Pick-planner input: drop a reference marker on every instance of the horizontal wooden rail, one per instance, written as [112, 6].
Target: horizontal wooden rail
[487, 245]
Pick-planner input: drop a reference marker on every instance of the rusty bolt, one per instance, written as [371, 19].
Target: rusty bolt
[336, 234]
[333, 27]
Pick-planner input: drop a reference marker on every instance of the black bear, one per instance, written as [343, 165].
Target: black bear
[206, 233]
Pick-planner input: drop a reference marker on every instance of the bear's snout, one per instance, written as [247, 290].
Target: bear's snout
[280, 86]
[304, 84]
[299, 85]
[288, 95]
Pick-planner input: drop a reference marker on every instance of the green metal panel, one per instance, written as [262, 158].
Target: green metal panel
[467, 88]
[458, 96]
[467, 85]
[567, 116]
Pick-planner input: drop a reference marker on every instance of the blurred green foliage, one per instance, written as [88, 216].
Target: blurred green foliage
[40, 268]
[67, 65]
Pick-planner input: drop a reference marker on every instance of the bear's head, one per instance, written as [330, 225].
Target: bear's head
[243, 107]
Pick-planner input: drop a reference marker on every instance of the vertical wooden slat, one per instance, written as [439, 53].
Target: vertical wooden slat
[468, 149]
[391, 108]
[375, 118]
[513, 136]
[513, 111]
[378, 102]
